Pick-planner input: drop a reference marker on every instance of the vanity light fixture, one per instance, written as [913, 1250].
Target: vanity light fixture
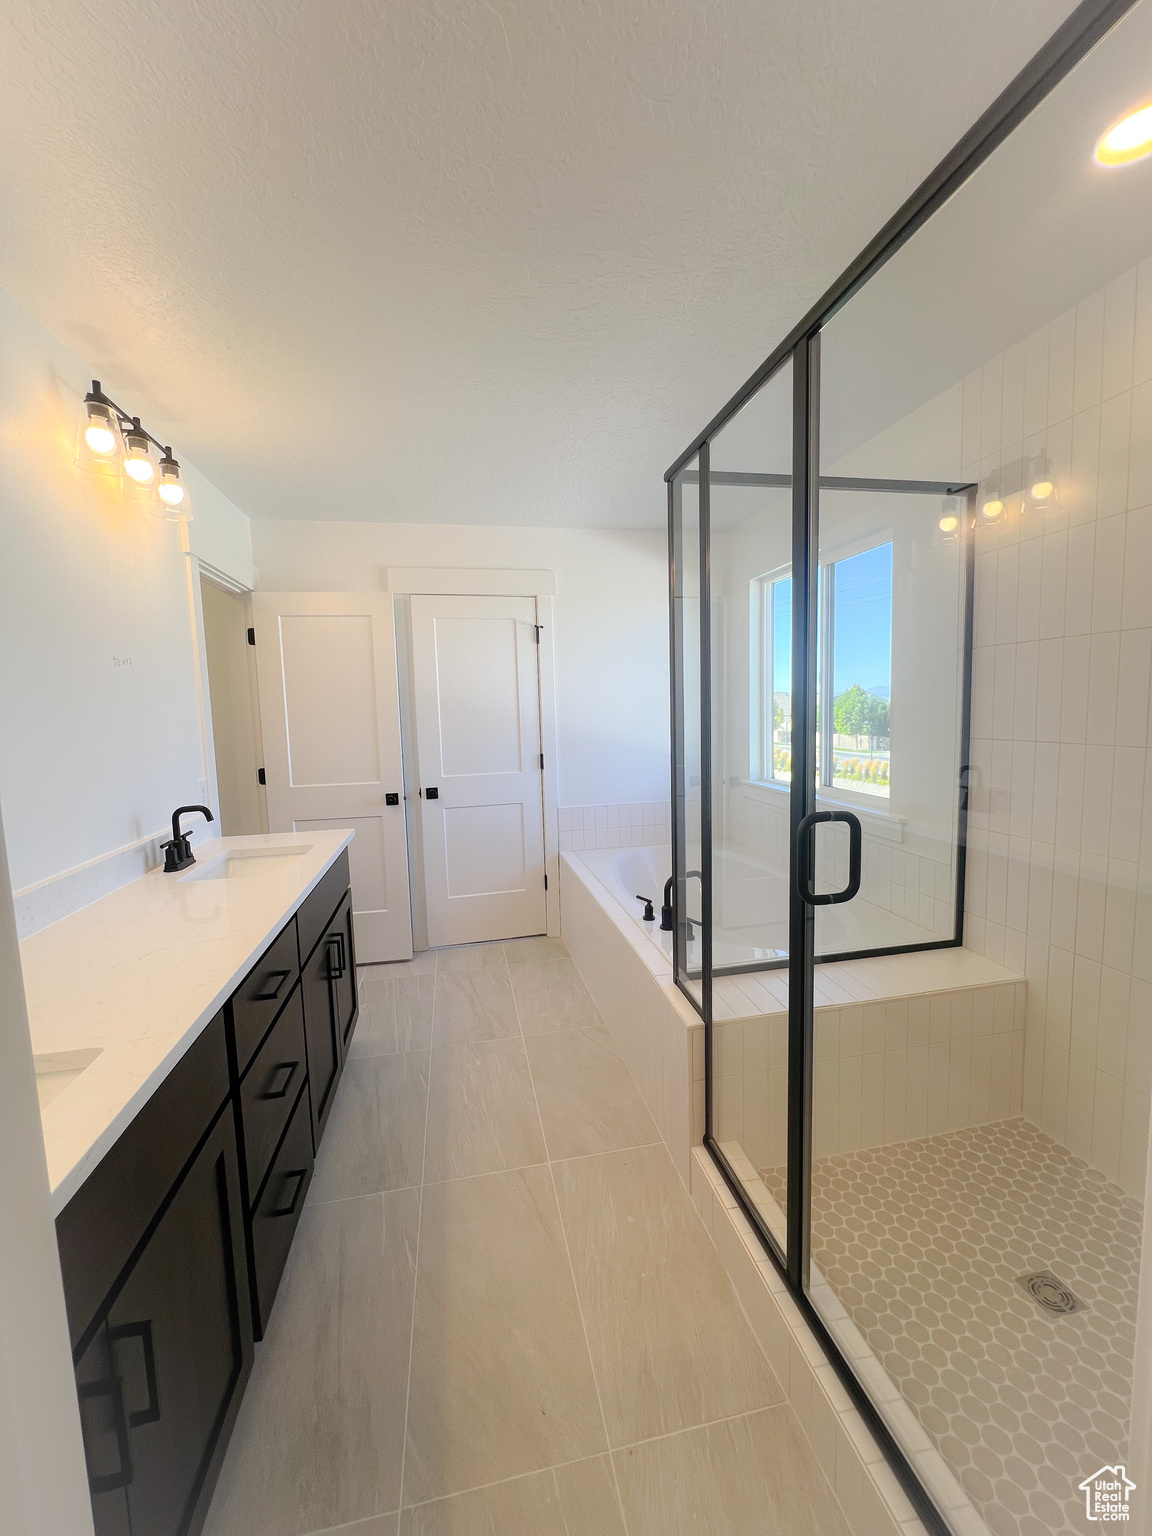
[112, 443]
[1042, 490]
[1128, 140]
[949, 524]
[992, 508]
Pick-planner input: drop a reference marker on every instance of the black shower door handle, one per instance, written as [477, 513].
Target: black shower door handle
[805, 840]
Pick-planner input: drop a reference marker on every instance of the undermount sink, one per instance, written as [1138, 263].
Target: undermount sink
[247, 863]
[55, 1070]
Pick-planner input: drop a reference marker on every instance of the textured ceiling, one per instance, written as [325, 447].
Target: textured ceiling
[488, 263]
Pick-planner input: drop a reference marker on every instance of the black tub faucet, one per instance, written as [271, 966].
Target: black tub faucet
[666, 922]
[178, 853]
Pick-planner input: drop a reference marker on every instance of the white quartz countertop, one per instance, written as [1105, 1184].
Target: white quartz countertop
[137, 975]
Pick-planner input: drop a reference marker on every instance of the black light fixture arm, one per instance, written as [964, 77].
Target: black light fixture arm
[96, 393]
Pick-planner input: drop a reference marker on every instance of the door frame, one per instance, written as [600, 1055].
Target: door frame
[434, 581]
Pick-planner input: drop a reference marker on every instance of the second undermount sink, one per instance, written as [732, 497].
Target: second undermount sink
[247, 863]
[56, 1070]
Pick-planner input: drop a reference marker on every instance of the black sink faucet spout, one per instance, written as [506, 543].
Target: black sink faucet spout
[178, 853]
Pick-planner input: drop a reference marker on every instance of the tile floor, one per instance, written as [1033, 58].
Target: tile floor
[923, 1242]
[501, 1315]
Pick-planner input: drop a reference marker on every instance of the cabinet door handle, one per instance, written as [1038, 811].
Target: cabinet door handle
[300, 1175]
[142, 1331]
[270, 997]
[335, 970]
[281, 1066]
[108, 1387]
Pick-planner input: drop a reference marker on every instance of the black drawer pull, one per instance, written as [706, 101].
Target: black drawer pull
[270, 997]
[300, 1175]
[278, 1093]
[142, 1331]
[109, 1387]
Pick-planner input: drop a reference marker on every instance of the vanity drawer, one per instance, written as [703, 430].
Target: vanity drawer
[270, 1088]
[277, 1210]
[262, 994]
[313, 916]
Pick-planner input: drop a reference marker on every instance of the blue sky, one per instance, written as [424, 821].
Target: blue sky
[863, 618]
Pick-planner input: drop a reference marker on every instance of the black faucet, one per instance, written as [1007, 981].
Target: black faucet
[649, 915]
[666, 923]
[178, 853]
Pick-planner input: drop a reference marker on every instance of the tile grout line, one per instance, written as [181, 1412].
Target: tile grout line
[416, 1260]
[568, 1253]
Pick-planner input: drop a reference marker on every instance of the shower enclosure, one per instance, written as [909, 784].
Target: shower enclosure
[911, 643]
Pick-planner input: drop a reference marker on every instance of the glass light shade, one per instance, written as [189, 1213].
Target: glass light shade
[99, 445]
[139, 465]
[172, 501]
[992, 508]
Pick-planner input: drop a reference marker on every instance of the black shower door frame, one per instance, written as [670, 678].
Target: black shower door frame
[1067, 46]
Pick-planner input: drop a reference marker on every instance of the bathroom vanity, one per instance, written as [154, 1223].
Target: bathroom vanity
[189, 1034]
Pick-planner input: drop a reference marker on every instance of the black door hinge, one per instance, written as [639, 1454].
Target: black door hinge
[539, 628]
[541, 762]
[251, 637]
[260, 779]
[545, 882]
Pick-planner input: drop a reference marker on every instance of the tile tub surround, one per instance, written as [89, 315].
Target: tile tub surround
[536, 1335]
[905, 1044]
[139, 973]
[633, 825]
[1060, 866]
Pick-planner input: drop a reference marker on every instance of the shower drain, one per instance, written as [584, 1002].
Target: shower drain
[1052, 1294]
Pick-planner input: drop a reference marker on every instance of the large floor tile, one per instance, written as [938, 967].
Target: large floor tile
[474, 1005]
[395, 1015]
[519, 951]
[319, 1438]
[588, 1101]
[750, 1476]
[501, 1381]
[670, 1344]
[550, 995]
[375, 1135]
[575, 1500]
[481, 1111]
[469, 957]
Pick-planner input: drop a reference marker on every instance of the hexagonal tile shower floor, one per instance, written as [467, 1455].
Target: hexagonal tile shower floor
[926, 1243]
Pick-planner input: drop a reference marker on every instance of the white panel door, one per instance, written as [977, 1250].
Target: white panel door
[330, 718]
[476, 676]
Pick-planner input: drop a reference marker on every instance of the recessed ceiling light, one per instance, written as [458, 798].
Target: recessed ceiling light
[1129, 139]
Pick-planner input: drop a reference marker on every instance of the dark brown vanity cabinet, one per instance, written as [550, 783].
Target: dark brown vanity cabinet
[158, 1305]
[173, 1248]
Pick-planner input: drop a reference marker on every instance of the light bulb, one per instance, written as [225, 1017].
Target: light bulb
[1042, 490]
[138, 465]
[1129, 139]
[949, 524]
[992, 509]
[171, 492]
[100, 439]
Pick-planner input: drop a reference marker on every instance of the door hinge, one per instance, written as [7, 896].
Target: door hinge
[539, 628]
[251, 637]
[260, 779]
[541, 762]
[545, 882]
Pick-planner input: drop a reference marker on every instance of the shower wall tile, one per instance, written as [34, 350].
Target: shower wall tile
[1060, 857]
[632, 825]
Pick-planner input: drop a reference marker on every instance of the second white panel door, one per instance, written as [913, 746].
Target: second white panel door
[476, 676]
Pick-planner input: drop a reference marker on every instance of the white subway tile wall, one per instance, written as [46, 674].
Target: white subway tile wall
[637, 824]
[1059, 881]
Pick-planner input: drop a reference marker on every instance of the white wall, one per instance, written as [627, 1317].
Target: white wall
[99, 702]
[611, 618]
[43, 1483]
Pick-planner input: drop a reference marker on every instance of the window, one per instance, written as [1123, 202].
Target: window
[854, 673]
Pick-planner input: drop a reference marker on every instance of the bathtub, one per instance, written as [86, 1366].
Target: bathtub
[749, 907]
